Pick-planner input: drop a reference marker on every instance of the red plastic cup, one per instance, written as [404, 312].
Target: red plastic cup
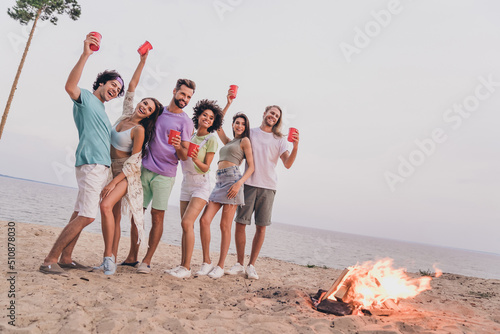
[172, 134]
[234, 90]
[192, 147]
[144, 48]
[95, 47]
[291, 132]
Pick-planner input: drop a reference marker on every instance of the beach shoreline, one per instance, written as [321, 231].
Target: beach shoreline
[278, 302]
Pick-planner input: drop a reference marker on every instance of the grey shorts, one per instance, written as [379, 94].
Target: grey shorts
[259, 200]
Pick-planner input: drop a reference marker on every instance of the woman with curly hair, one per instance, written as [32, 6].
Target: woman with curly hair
[129, 138]
[195, 189]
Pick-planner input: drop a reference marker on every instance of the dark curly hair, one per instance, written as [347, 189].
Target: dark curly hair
[105, 76]
[245, 133]
[203, 105]
[149, 124]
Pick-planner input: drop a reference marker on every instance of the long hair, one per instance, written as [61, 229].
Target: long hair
[106, 76]
[149, 124]
[245, 133]
[277, 127]
[203, 105]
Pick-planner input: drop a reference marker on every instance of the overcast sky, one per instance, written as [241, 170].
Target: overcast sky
[396, 101]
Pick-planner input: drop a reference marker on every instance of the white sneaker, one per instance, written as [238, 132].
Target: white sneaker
[251, 272]
[182, 272]
[109, 265]
[101, 266]
[217, 272]
[205, 269]
[235, 270]
[168, 271]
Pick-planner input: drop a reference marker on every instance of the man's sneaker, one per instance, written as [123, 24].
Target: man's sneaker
[251, 272]
[109, 265]
[205, 269]
[182, 272]
[235, 270]
[217, 272]
[143, 268]
[168, 271]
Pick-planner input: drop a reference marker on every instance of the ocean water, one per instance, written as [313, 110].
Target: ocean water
[46, 204]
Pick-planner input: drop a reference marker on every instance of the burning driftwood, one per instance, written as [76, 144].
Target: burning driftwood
[369, 288]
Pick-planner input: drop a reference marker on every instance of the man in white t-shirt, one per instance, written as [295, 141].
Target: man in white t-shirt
[268, 146]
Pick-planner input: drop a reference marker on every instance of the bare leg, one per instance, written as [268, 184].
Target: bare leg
[68, 235]
[108, 208]
[117, 212]
[192, 211]
[240, 239]
[133, 252]
[258, 240]
[183, 206]
[226, 221]
[206, 219]
[155, 234]
[68, 251]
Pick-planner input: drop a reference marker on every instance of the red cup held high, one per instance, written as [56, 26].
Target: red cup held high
[234, 90]
[172, 134]
[291, 132]
[144, 48]
[95, 47]
[192, 147]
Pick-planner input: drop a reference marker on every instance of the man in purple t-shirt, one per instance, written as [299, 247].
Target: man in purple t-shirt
[159, 167]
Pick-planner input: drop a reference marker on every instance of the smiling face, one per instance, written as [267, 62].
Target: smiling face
[109, 90]
[145, 108]
[182, 96]
[239, 127]
[271, 116]
[206, 119]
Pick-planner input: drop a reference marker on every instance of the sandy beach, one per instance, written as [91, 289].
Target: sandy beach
[157, 303]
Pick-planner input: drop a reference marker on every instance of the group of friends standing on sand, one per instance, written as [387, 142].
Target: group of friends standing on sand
[142, 155]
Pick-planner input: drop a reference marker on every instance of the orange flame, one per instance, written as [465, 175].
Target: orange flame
[371, 284]
[437, 271]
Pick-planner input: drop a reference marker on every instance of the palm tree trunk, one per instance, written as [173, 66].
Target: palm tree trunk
[18, 74]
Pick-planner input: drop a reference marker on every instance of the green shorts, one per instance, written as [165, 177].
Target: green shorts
[258, 200]
[156, 188]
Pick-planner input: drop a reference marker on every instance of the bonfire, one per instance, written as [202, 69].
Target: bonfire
[370, 286]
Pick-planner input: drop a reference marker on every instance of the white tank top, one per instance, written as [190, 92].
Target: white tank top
[121, 140]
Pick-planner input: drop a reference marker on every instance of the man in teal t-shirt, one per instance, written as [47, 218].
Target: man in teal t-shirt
[92, 157]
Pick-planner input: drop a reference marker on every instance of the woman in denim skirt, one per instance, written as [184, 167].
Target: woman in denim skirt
[228, 191]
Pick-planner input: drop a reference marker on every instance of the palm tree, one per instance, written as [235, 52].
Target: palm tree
[25, 11]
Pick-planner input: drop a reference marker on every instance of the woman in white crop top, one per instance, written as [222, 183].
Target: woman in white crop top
[195, 188]
[228, 191]
[129, 137]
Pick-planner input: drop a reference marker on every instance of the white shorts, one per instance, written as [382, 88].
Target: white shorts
[195, 185]
[91, 179]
